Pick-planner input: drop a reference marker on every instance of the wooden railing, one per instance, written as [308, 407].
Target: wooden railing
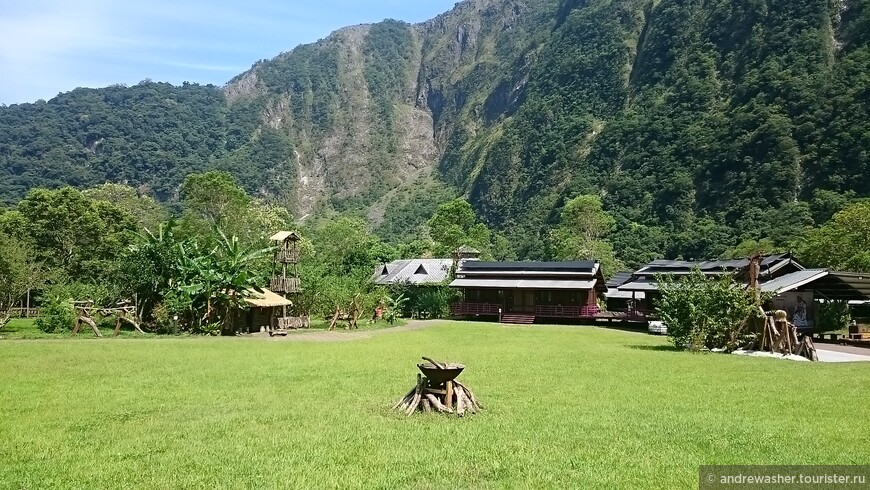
[639, 314]
[461, 309]
[558, 311]
[24, 312]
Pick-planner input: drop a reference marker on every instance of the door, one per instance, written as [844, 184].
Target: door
[521, 301]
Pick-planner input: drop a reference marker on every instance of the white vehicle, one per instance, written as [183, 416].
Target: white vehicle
[658, 327]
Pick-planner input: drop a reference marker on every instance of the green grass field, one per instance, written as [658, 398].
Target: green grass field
[566, 407]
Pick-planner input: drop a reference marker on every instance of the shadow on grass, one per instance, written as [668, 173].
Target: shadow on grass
[655, 348]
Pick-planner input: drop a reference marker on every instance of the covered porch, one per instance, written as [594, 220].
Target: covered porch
[544, 303]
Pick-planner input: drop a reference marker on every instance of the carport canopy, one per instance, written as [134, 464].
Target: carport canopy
[845, 286]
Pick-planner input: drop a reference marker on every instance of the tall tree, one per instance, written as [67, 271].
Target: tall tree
[455, 224]
[77, 236]
[19, 273]
[147, 212]
[842, 242]
[581, 235]
[214, 197]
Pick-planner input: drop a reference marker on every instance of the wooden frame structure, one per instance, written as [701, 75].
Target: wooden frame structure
[84, 311]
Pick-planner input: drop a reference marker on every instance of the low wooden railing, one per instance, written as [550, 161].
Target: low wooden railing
[24, 312]
[558, 311]
[461, 309]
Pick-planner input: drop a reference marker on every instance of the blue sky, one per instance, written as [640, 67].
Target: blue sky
[52, 46]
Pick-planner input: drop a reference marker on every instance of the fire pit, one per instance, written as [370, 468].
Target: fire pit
[440, 374]
[439, 391]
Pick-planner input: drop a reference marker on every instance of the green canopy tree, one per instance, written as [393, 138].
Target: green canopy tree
[74, 235]
[147, 212]
[581, 234]
[842, 242]
[215, 200]
[19, 273]
[214, 197]
[455, 224]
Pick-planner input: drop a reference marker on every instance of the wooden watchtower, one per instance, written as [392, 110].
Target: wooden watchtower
[285, 275]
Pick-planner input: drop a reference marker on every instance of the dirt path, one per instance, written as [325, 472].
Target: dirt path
[344, 335]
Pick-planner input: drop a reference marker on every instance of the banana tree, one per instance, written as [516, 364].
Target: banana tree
[218, 279]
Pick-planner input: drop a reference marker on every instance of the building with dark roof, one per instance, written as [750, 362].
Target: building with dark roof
[415, 272]
[619, 300]
[644, 280]
[526, 291]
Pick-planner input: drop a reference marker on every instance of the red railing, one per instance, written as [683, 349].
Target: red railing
[461, 309]
[557, 311]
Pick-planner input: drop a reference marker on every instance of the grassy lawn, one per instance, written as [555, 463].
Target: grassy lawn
[566, 407]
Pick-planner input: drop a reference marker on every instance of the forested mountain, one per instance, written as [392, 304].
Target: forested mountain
[700, 123]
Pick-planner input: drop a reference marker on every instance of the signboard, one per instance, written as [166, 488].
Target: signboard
[798, 305]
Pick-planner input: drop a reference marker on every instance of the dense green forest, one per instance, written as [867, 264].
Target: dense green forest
[705, 128]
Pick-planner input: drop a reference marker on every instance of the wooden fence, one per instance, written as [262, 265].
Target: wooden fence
[24, 312]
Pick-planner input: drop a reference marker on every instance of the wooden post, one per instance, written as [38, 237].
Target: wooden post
[449, 399]
[27, 310]
[77, 324]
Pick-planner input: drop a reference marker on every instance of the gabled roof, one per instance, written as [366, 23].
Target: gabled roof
[640, 285]
[614, 287]
[847, 286]
[413, 271]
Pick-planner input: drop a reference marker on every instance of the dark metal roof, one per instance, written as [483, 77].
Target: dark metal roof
[711, 266]
[522, 284]
[580, 267]
[618, 279]
[849, 286]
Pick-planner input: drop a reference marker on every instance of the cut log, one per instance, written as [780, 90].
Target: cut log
[405, 402]
[460, 401]
[437, 404]
[89, 321]
[404, 398]
[469, 404]
[427, 406]
[414, 403]
[470, 394]
[435, 363]
[334, 320]
[418, 393]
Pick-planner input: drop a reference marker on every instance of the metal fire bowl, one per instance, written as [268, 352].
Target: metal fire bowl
[439, 376]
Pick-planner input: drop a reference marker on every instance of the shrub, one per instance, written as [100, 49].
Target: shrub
[833, 315]
[702, 312]
[56, 316]
[424, 301]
